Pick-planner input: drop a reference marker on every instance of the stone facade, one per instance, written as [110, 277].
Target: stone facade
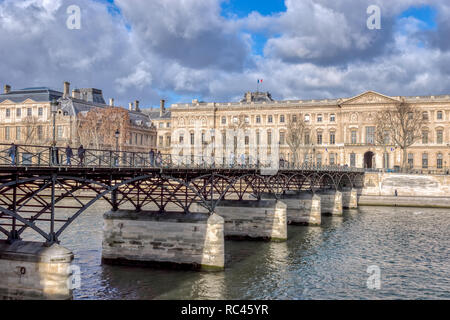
[340, 130]
[331, 202]
[194, 241]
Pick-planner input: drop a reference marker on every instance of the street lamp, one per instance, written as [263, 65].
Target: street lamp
[117, 134]
[54, 109]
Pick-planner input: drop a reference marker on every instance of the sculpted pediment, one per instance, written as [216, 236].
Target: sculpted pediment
[370, 97]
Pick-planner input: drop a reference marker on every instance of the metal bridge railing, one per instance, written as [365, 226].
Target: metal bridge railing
[48, 156]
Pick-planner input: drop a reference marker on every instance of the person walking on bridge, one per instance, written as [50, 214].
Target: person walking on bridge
[69, 155]
[152, 158]
[81, 153]
[159, 159]
[12, 151]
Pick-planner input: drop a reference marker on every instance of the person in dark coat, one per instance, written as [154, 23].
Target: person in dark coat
[12, 153]
[152, 158]
[69, 155]
[81, 152]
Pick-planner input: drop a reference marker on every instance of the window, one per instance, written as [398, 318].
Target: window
[319, 138]
[370, 135]
[319, 159]
[59, 130]
[307, 139]
[258, 138]
[7, 133]
[269, 138]
[224, 120]
[425, 115]
[282, 119]
[258, 119]
[18, 133]
[294, 118]
[332, 159]
[29, 112]
[425, 161]
[161, 125]
[247, 140]
[386, 138]
[439, 136]
[161, 141]
[168, 140]
[352, 159]
[354, 139]
[332, 138]
[8, 113]
[270, 119]
[131, 139]
[410, 160]
[307, 117]
[247, 119]
[168, 125]
[224, 140]
[39, 132]
[332, 117]
[424, 137]
[319, 118]
[192, 139]
[439, 115]
[40, 111]
[439, 161]
[235, 120]
[181, 139]
[142, 139]
[136, 139]
[203, 138]
[282, 138]
[18, 112]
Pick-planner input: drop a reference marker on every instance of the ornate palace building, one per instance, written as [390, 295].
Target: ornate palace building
[26, 118]
[339, 131]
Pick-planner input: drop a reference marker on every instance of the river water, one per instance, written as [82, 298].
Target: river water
[409, 246]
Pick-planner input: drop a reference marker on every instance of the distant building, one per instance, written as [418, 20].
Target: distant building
[26, 118]
[339, 131]
[161, 118]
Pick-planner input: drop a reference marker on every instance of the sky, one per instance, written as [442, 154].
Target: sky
[216, 50]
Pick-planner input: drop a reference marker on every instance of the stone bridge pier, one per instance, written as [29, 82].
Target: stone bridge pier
[350, 198]
[35, 271]
[171, 240]
[331, 202]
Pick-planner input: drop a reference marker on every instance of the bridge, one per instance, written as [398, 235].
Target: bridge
[145, 194]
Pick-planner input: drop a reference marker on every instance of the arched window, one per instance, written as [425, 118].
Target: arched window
[439, 136]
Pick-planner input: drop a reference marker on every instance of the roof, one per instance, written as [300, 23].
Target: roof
[38, 94]
[154, 114]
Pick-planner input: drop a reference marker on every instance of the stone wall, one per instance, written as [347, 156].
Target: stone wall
[331, 202]
[264, 219]
[409, 185]
[194, 241]
[350, 199]
[30, 270]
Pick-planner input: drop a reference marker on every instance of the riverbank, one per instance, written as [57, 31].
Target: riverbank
[404, 201]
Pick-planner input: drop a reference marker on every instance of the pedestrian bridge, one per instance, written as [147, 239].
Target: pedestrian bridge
[159, 211]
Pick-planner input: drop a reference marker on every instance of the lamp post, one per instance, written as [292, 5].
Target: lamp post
[116, 158]
[54, 109]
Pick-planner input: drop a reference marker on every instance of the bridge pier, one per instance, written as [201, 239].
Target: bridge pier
[331, 202]
[172, 240]
[256, 220]
[33, 271]
[350, 199]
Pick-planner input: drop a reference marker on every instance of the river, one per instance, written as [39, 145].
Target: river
[409, 246]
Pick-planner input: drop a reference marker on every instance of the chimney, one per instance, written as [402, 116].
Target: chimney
[162, 109]
[111, 102]
[248, 97]
[76, 94]
[136, 105]
[66, 89]
[7, 88]
[130, 106]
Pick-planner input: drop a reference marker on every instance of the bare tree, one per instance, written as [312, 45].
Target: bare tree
[295, 136]
[402, 124]
[31, 124]
[240, 122]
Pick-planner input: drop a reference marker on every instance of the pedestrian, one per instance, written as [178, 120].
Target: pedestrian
[396, 193]
[242, 160]
[81, 153]
[159, 159]
[232, 159]
[152, 158]
[69, 155]
[12, 153]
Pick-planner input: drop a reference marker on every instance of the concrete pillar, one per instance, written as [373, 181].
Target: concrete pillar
[31, 270]
[350, 199]
[170, 240]
[257, 220]
[331, 202]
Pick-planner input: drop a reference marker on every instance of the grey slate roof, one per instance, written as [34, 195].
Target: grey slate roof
[154, 114]
[40, 94]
